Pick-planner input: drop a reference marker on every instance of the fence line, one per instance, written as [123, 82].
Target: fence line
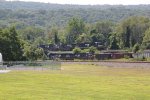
[31, 65]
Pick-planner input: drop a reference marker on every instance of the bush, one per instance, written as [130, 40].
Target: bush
[126, 57]
[77, 50]
[85, 51]
[136, 48]
[92, 49]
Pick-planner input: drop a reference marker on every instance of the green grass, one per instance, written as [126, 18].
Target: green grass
[77, 82]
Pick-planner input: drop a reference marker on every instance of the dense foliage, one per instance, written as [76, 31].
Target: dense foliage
[43, 15]
[10, 45]
[104, 27]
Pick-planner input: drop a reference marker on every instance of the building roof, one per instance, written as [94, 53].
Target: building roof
[60, 52]
[114, 51]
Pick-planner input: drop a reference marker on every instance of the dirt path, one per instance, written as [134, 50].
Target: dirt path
[114, 64]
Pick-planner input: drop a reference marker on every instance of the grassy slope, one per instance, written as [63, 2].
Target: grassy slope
[77, 82]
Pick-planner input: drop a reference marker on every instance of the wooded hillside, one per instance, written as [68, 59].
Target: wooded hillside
[47, 15]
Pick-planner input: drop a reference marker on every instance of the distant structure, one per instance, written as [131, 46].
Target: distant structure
[144, 54]
[1, 59]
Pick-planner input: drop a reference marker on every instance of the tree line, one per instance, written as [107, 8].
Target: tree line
[132, 34]
[127, 34]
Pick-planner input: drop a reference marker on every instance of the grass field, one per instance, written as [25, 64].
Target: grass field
[77, 82]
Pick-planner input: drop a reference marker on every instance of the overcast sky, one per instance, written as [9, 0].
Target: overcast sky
[94, 2]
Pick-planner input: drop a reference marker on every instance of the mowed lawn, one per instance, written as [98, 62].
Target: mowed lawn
[77, 82]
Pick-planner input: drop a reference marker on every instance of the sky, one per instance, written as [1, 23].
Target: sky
[94, 2]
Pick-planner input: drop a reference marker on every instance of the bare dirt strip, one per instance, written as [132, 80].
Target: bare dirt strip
[113, 63]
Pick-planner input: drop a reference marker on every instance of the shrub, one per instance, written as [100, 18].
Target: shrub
[85, 51]
[92, 49]
[126, 57]
[77, 50]
[136, 48]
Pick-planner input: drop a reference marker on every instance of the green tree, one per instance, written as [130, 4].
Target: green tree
[75, 28]
[128, 36]
[10, 45]
[113, 42]
[31, 33]
[146, 39]
[83, 38]
[104, 27]
[56, 39]
[102, 31]
[131, 31]
[53, 36]
[136, 48]
[31, 52]
[98, 38]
